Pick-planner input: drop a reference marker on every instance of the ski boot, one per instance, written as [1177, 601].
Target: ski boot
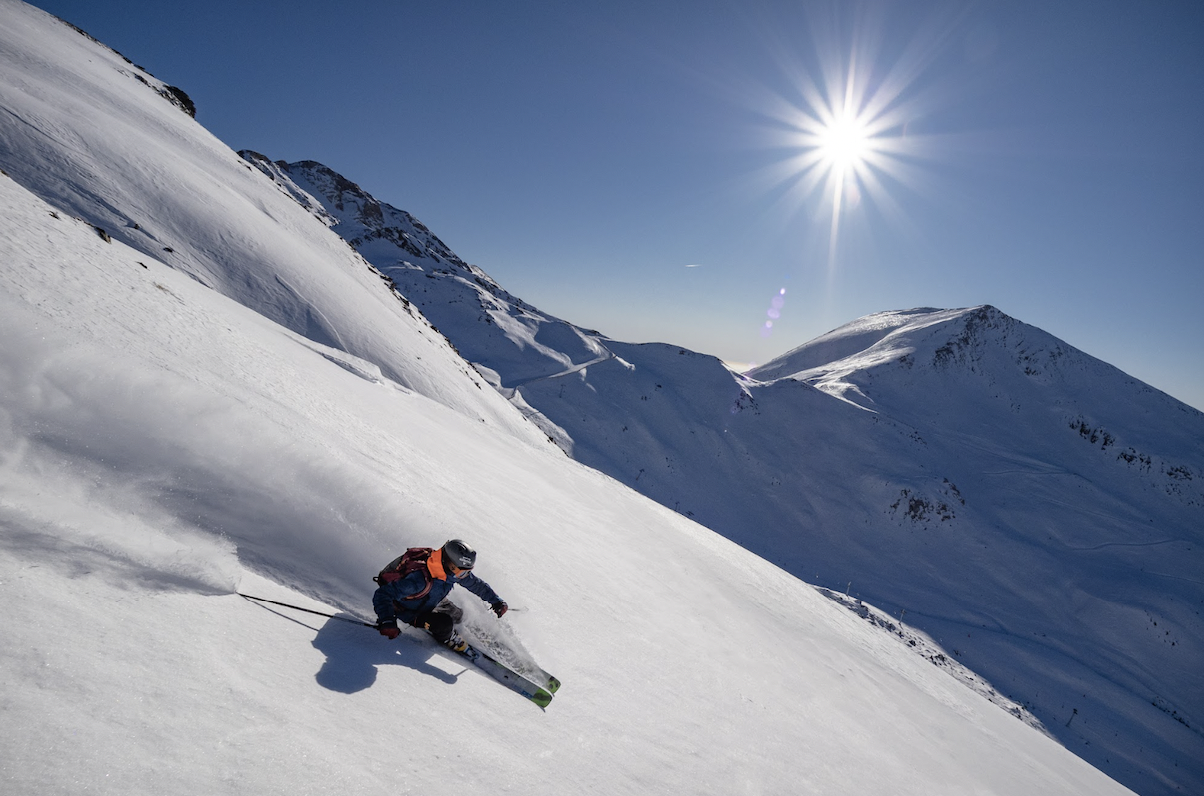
[456, 643]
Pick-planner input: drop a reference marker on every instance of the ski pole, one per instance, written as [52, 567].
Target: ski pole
[307, 610]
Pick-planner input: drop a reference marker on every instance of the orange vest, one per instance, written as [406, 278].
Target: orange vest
[434, 565]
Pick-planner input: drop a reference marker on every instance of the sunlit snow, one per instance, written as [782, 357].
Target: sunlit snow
[203, 390]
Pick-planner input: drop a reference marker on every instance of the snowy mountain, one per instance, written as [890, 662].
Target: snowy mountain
[160, 183]
[203, 389]
[1035, 510]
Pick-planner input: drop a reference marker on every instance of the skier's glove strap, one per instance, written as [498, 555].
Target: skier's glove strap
[500, 608]
[388, 629]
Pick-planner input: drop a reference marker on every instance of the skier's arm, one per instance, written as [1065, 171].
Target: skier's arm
[480, 588]
[382, 603]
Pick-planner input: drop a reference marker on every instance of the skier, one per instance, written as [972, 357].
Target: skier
[414, 588]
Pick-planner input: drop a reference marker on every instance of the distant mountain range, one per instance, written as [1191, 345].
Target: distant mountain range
[1036, 511]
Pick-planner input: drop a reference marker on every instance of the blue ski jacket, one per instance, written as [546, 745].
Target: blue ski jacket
[404, 599]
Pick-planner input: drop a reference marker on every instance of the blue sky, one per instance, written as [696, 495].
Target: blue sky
[661, 171]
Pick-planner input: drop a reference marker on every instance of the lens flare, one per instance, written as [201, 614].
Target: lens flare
[774, 312]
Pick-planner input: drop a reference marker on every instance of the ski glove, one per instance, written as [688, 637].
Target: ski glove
[388, 629]
[500, 608]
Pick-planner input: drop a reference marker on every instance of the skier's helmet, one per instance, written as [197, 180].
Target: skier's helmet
[459, 554]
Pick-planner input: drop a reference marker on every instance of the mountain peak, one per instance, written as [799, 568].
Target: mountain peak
[370, 225]
[939, 337]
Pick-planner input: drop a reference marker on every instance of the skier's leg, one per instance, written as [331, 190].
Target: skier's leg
[442, 628]
[448, 607]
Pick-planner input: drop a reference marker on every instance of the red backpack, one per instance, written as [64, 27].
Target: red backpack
[413, 559]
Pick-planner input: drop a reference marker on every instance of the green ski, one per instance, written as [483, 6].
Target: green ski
[511, 679]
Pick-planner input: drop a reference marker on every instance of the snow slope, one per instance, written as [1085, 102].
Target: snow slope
[163, 445]
[162, 442]
[1037, 511]
[102, 140]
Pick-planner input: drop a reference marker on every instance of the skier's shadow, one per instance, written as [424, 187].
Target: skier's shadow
[353, 654]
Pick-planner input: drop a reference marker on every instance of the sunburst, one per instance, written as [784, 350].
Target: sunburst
[843, 134]
[845, 142]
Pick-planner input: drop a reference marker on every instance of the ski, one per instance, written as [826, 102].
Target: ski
[531, 671]
[549, 682]
[508, 677]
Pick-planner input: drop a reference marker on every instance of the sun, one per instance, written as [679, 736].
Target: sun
[844, 142]
[840, 149]
[841, 132]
